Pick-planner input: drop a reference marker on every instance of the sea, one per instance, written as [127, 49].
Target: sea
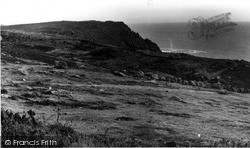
[173, 37]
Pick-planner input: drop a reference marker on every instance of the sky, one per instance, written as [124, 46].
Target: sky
[128, 11]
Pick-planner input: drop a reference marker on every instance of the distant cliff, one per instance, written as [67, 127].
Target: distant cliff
[110, 33]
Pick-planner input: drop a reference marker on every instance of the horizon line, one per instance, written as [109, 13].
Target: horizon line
[107, 21]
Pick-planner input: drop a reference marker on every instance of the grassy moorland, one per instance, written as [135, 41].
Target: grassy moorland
[110, 95]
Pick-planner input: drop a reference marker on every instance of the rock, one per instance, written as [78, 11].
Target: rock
[152, 76]
[234, 89]
[125, 118]
[3, 62]
[163, 79]
[31, 113]
[47, 92]
[32, 94]
[193, 83]
[185, 82]
[81, 66]
[172, 79]
[207, 84]
[22, 72]
[76, 76]
[61, 65]
[28, 95]
[168, 79]
[241, 90]
[170, 144]
[155, 76]
[38, 83]
[217, 85]
[4, 91]
[117, 73]
[138, 73]
[223, 92]
[29, 88]
[200, 84]
[177, 99]
[179, 80]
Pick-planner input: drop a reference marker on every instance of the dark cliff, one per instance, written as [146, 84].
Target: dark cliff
[110, 33]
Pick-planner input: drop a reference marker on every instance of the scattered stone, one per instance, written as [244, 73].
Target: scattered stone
[32, 94]
[28, 95]
[141, 73]
[38, 83]
[179, 80]
[170, 144]
[48, 92]
[207, 84]
[168, 79]
[241, 90]
[76, 76]
[117, 73]
[125, 119]
[217, 85]
[152, 76]
[3, 62]
[101, 90]
[193, 83]
[22, 72]
[4, 91]
[185, 82]
[12, 97]
[173, 79]
[61, 65]
[31, 113]
[200, 84]
[177, 99]
[223, 92]
[163, 79]
[81, 66]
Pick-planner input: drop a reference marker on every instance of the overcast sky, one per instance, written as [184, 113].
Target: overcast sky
[129, 11]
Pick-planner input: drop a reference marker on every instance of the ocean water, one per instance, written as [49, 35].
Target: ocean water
[173, 37]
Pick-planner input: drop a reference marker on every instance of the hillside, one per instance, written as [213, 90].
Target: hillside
[110, 33]
[115, 46]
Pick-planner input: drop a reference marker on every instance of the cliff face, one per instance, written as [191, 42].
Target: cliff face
[110, 33]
